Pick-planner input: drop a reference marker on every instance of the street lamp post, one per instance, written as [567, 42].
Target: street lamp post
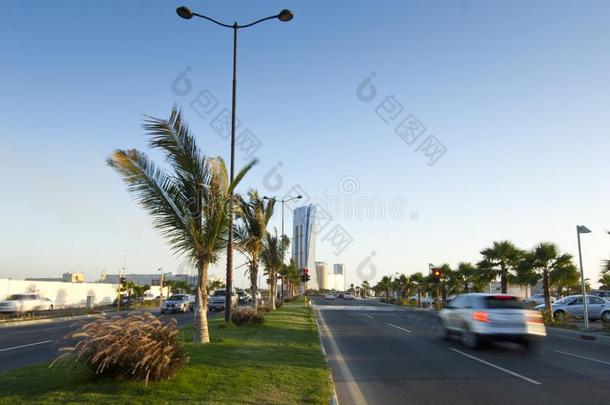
[283, 201]
[187, 14]
[583, 229]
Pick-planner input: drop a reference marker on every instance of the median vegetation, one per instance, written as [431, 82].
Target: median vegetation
[277, 362]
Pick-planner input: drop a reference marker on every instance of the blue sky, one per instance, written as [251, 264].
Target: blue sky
[516, 91]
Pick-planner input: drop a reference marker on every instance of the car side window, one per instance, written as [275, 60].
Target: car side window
[595, 300]
[456, 302]
[577, 301]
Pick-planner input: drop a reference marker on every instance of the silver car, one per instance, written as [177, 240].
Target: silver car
[178, 303]
[20, 303]
[572, 306]
[477, 318]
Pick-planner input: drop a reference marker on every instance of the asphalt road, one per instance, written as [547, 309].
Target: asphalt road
[30, 344]
[383, 354]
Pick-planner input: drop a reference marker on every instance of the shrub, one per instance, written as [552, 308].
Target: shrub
[138, 347]
[246, 316]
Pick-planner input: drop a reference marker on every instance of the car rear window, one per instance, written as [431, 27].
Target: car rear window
[502, 302]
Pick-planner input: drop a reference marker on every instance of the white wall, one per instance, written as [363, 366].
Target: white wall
[63, 294]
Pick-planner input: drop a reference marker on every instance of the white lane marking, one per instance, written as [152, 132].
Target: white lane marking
[398, 327]
[360, 308]
[28, 345]
[368, 316]
[582, 357]
[497, 367]
[348, 379]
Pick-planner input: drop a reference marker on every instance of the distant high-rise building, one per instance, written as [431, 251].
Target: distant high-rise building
[339, 276]
[322, 276]
[304, 233]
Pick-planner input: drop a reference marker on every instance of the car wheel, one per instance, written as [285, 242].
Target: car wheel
[560, 316]
[470, 339]
[606, 317]
[444, 333]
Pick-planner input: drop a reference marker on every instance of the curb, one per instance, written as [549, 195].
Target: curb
[334, 400]
[13, 324]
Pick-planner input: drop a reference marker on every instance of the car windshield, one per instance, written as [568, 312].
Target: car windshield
[564, 300]
[17, 297]
[176, 298]
[219, 293]
[502, 302]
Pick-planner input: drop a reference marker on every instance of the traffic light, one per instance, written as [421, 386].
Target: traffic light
[305, 275]
[437, 274]
[122, 280]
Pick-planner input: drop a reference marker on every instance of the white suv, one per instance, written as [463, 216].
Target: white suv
[480, 317]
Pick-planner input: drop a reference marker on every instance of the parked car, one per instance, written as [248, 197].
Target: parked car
[178, 303]
[348, 296]
[217, 300]
[572, 306]
[329, 296]
[19, 303]
[537, 299]
[605, 294]
[477, 318]
[243, 297]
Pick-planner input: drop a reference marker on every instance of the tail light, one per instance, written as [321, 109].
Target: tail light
[480, 316]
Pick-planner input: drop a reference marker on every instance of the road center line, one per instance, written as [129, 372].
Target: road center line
[582, 357]
[28, 345]
[368, 316]
[398, 327]
[497, 367]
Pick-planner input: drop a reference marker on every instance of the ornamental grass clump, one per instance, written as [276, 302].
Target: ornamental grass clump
[246, 316]
[138, 347]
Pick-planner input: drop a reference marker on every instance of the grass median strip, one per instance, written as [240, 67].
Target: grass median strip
[278, 362]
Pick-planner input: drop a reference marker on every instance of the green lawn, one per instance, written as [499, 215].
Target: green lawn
[278, 362]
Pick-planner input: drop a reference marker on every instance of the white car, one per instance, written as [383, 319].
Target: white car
[19, 303]
[348, 296]
[484, 317]
[329, 297]
[217, 300]
[537, 299]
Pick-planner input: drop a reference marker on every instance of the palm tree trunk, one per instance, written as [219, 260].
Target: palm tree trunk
[504, 280]
[547, 294]
[273, 289]
[253, 285]
[201, 304]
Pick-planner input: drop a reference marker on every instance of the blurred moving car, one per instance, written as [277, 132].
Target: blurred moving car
[329, 296]
[477, 318]
[537, 299]
[19, 303]
[178, 303]
[572, 306]
[348, 296]
[217, 300]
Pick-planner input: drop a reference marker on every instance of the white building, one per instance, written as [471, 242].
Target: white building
[338, 277]
[322, 276]
[304, 231]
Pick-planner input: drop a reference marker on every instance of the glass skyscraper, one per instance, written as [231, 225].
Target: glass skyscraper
[304, 231]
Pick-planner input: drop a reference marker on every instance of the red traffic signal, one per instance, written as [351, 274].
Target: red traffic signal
[437, 274]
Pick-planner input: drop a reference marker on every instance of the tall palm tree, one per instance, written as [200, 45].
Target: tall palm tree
[419, 282]
[292, 278]
[190, 202]
[604, 280]
[385, 284]
[502, 258]
[606, 266]
[255, 214]
[272, 258]
[545, 260]
[365, 287]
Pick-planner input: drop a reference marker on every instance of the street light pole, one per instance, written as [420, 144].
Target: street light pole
[187, 14]
[283, 253]
[583, 229]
